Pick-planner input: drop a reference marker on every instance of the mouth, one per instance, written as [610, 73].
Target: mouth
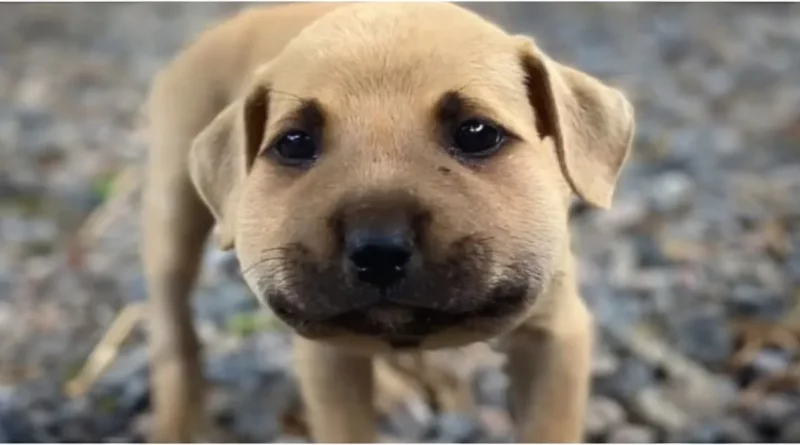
[447, 297]
[405, 326]
[397, 323]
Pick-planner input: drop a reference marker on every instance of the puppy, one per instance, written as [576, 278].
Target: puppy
[392, 177]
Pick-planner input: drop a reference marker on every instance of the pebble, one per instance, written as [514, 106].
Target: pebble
[774, 411]
[496, 423]
[704, 335]
[604, 363]
[632, 433]
[791, 432]
[670, 191]
[747, 300]
[771, 362]
[456, 428]
[726, 430]
[631, 378]
[653, 407]
[142, 425]
[491, 386]
[603, 414]
[414, 420]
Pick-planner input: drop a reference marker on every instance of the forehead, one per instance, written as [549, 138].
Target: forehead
[399, 60]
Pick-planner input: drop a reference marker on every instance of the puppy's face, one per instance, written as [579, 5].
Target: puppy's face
[400, 185]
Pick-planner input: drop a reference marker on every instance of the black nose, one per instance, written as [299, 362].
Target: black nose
[379, 258]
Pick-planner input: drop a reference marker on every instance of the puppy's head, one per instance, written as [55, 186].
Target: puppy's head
[400, 175]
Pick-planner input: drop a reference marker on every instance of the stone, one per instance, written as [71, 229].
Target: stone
[603, 414]
[15, 428]
[746, 300]
[632, 433]
[650, 405]
[496, 423]
[142, 426]
[491, 386]
[625, 213]
[292, 439]
[704, 335]
[771, 362]
[456, 428]
[774, 411]
[649, 252]
[734, 430]
[726, 430]
[604, 363]
[670, 191]
[790, 433]
[413, 420]
[633, 375]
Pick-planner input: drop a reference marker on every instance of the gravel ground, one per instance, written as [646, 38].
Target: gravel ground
[693, 275]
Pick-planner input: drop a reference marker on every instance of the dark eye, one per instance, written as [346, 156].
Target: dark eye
[296, 147]
[477, 138]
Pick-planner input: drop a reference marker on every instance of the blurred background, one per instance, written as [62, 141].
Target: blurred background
[694, 274]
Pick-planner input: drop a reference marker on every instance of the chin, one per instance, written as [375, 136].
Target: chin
[392, 328]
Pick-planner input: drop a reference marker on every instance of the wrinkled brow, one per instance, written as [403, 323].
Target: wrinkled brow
[308, 114]
[455, 105]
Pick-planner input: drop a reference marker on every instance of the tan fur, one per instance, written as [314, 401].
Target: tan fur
[379, 72]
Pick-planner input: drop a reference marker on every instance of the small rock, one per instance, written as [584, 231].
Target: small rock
[412, 420]
[497, 423]
[735, 430]
[704, 335]
[223, 262]
[631, 433]
[122, 438]
[770, 361]
[791, 432]
[625, 213]
[671, 190]
[132, 365]
[604, 363]
[726, 430]
[603, 414]
[16, 428]
[683, 251]
[259, 401]
[653, 407]
[491, 386]
[773, 412]
[746, 300]
[291, 439]
[633, 375]
[649, 252]
[142, 426]
[136, 396]
[456, 428]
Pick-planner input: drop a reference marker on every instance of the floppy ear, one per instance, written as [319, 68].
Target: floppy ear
[591, 124]
[222, 155]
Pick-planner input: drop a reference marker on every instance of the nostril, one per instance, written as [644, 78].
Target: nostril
[380, 257]
[381, 262]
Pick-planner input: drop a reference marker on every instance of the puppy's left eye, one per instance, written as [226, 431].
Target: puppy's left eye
[296, 147]
[477, 138]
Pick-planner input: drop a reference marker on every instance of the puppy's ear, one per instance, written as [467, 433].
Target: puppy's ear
[222, 155]
[591, 124]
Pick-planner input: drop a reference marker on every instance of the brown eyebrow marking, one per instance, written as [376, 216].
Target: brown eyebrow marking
[309, 114]
[454, 105]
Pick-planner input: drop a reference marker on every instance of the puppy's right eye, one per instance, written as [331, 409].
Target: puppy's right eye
[296, 147]
[477, 138]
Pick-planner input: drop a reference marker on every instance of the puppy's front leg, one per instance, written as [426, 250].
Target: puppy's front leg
[549, 364]
[337, 389]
